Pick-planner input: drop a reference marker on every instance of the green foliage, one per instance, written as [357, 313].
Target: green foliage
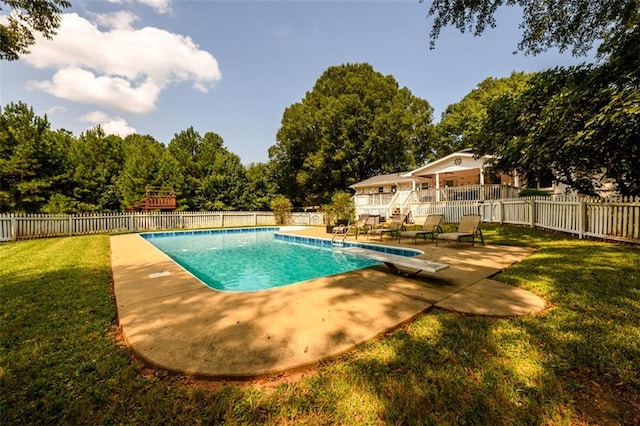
[25, 18]
[261, 187]
[533, 192]
[96, 160]
[147, 163]
[281, 206]
[214, 176]
[33, 162]
[564, 24]
[579, 124]
[341, 208]
[462, 122]
[354, 124]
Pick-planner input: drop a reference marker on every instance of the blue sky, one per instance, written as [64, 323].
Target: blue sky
[232, 67]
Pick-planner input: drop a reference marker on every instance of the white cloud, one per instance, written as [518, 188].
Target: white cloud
[119, 20]
[110, 125]
[160, 6]
[76, 84]
[123, 68]
[56, 109]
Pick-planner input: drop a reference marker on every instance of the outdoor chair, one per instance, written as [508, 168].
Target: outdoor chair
[395, 225]
[467, 228]
[361, 225]
[430, 227]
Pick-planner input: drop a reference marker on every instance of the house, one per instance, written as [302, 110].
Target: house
[456, 177]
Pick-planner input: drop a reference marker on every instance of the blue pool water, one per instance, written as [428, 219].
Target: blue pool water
[255, 258]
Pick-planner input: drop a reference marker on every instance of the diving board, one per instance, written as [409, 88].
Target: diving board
[392, 261]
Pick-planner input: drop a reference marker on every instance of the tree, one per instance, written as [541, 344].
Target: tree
[96, 160]
[564, 24]
[214, 176]
[462, 122]
[32, 160]
[579, 125]
[261, 188]
[354, 124]
[341, 208]
[281, 207]
[147, 163]
[25, 18]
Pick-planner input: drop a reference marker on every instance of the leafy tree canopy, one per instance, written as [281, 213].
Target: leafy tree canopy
[96, 160]
[461, 122]
[147, 163]
[25, 18]
[354, 124]
[564, 24]
[32, 159]
[581, 125]
[214, 177]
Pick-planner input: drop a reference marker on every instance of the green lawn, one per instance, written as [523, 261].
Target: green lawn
[579, 362]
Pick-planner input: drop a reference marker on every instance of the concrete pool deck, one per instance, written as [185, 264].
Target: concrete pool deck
[173, 321]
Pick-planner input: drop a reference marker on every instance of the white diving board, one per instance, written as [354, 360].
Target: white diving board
[392, 261]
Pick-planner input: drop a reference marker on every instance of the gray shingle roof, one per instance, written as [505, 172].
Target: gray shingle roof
[392, 178]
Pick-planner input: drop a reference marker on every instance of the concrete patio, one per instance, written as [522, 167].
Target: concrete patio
[173, 321]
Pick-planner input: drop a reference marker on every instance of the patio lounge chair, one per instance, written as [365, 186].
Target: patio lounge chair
[467, 228]
[430, 227]
[392, 261]
[361, 225]
[395, 225]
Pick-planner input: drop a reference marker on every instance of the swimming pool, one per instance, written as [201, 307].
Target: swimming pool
[251, 259]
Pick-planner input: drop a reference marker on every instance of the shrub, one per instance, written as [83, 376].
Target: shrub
[281, 206]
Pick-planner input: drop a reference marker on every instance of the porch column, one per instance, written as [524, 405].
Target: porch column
[481, 176]
[516, 179]
[437, 187]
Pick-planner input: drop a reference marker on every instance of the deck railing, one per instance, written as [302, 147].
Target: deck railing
[466, 193]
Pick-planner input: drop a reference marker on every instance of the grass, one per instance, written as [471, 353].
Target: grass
[579, 362]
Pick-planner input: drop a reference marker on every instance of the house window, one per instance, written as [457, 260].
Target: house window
[380, 189]
[394, 188]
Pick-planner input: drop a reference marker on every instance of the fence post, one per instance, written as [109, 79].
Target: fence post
[70, 225]
[582, 218]
[130, 222]
[14, 228]
[501, 211]
[532, 212]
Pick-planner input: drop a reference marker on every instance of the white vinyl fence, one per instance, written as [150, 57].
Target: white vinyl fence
[19, 227]
[612, 219]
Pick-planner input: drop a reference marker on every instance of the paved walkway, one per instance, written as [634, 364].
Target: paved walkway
[173, 321]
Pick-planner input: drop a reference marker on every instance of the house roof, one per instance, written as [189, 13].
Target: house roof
[392, 178]
[448, 164]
